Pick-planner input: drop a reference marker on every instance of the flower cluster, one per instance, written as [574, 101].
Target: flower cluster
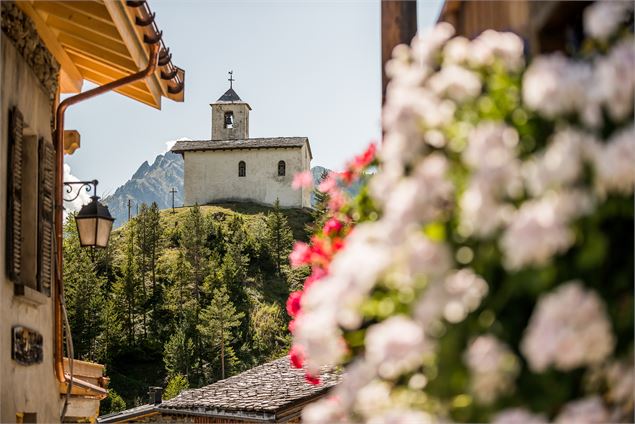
[494, 181]
[568, 329]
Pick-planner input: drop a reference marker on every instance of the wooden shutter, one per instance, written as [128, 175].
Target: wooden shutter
[46, 202]
[14, 197]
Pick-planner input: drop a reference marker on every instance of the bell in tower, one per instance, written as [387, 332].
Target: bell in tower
[230, 115]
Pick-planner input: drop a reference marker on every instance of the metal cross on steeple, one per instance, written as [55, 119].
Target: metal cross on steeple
[231, 78]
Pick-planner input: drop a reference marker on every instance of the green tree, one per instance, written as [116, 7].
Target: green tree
[268, 331]
[84, 298]
[177, 353]
[196, 254]
[279, 237]
[175, 386]
[320, 208]
[217, 322]
[112, 403]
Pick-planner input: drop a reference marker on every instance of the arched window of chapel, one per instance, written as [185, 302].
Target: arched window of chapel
[242, 169]
[282, 168]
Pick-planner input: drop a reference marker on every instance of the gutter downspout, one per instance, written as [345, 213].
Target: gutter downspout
[59, 186]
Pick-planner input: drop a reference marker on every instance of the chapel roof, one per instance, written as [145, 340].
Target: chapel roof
[264, 390]
[250, 143]
[229, 96]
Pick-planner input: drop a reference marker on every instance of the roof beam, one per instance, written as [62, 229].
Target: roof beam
[133, 40]
[99, 53]
[71, 79]
[69, 20]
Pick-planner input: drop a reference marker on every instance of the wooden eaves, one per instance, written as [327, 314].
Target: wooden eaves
[103, 40]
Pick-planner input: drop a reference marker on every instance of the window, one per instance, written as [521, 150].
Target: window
[282, 168]
[31, 164]
[229, 120]
[242, 169]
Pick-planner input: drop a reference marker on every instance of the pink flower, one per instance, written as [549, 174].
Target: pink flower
[302, 180]
[292, 325]
[312, 379]
[328, 184]
[336, 200]
[301, 254]
[316, 274]
[333, 225]
[293, 303]
[296, 354]
[365, 158]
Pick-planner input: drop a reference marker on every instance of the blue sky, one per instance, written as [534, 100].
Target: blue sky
[306, 68]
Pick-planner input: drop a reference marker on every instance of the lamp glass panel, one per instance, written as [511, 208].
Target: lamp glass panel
[104, 227]
[86, 229]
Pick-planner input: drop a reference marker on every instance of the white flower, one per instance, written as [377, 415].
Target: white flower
[373, 398]
[588, 410]
[491, 45]
[318, 333]
[455, 82]
[539, 229]
[569, 328]
[395, 346]
[422, 196]
[614, 81]
[603, 18]
[561, 162]
[323, 411]
[620, 378]
[357, 375]
[403, 416]
[453, 298]
[491, 145]
[518, 416]
[493, 368]
[554, 85]
[427, 45]
[456, 51]
[465, 290]
[615, 163]
[482, 212]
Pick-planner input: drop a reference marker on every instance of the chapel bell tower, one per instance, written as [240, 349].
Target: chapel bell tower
[230, 115]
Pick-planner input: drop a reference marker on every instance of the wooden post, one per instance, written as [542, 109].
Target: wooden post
[398, 26]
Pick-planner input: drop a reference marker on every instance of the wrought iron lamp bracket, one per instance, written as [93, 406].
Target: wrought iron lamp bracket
[86, 185]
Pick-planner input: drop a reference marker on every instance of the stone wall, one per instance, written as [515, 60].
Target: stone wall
[212, 176]
[29, 81]
[240, 130]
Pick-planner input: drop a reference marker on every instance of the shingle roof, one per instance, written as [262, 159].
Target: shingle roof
[128, 414]
[268, 388]
[229, 96]
[250, 143]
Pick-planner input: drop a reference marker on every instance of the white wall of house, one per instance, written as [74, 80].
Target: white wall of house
[212, 176]
[32, 388]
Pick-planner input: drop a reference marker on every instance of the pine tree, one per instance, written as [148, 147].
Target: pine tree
[320, 208]
[279, 238]
[196, 254]
[217, 321]
[84, 298]
[128, 288]
[177, 353]
[148, 244]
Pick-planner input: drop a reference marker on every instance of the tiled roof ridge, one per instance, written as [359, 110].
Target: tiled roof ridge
[269, 387]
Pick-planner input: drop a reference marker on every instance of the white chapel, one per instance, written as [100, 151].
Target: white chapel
[231, 167]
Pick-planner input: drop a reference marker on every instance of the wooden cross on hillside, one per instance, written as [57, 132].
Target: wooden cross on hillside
[173, 191]
[231, 78]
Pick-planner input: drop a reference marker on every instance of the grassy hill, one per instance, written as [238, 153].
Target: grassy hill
[135, 368]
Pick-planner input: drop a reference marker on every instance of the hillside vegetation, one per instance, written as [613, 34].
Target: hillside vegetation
[183, 299]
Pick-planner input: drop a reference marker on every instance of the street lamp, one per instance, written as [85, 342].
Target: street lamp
[94, 222]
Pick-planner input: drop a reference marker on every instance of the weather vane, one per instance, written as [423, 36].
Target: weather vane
[231, 78]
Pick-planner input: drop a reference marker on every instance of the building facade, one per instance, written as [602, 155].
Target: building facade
[231, 167]
[44, 54]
